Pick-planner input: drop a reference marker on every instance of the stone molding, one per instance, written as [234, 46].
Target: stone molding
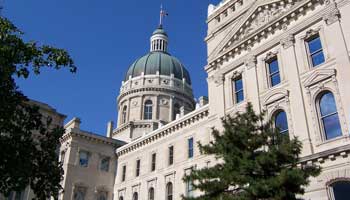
[90, 137]
[287, 41]
[174, 126]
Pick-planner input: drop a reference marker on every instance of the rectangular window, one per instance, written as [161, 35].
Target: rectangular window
[171, 155]
[104, 165]
[138, 165]
[238, 86]
[190, 148]
[124, 173]
[84, 158]
[63, 155]
[274, 72]
[315, 51]
[189, 188]
[154, 157]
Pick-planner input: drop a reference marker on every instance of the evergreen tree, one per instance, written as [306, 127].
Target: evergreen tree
[28, 140]
[255, 162]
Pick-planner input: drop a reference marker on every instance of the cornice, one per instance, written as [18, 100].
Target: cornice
[162, 132]
[332, 154]
[281, 22]
[90, 137]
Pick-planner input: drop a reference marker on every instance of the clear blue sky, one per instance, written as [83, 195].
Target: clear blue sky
[104, 37]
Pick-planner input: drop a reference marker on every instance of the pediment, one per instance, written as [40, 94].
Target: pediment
[275, 95]
[319, 75]
[258, 17]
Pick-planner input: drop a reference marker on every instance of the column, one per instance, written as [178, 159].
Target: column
[297, 102]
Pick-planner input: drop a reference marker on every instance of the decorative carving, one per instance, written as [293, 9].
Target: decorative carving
[219, 79]
[150, 80]
[311, 33]
[166, 81]
[332, 16]
[250, 61]
[164, 102]
[134, 103]
[287, 41]
[270, 55]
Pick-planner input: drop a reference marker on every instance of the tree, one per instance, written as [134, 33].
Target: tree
[28, 141]
[256, 162]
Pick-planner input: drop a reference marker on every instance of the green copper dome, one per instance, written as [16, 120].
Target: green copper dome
[158, 61]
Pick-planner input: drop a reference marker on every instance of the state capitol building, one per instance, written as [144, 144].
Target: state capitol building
[287, 57]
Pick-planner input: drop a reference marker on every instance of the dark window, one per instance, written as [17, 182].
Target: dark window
[239, 93]
[104, 165]
[151, 194]
[171, 155]
[169, 191]
[124, 173]
[135, 196]
[329, 116]
[190, 148]
[315, 50]
[148, 110]
[138, 163]
[341, 190]
[274, 72]
[121, 198]
[154, 157]
[83, 158]
[124, 115]
[176, 110]
[281, 122]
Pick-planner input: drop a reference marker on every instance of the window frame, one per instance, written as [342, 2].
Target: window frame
[320, 117]
[275, 114]
[171, 155]
[235, 91]
[190, 147]
[124, 114]
[108, 166]
[307, 41]
[138, 167]
[148, 110]
[123, 177]
[151, 193]
[269, 74]
[153, 162]
[87, 159]
[169, 196]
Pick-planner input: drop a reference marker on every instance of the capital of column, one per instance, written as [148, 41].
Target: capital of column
[287, 41]
[332, 17]
[250, 62]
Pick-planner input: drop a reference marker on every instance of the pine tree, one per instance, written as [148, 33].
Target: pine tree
[255, 162]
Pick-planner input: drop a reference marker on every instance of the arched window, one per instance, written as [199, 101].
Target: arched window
[121, 198]
[176, 110]
[169, 191]
[329, 116]
[135, 196]
[147, 112]
[281, 122]
[340, 190]
[151, 194]
[124, 114]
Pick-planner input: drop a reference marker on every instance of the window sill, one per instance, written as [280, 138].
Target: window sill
[333, 140]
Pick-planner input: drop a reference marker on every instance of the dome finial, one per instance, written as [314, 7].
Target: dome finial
[163, 13]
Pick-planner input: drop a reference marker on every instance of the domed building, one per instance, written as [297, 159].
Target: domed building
[156, 90]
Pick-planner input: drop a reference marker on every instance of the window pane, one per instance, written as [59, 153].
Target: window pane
[273, 66]
[190, 147]
[238, 84]
[239, 96]
[281, 122]
[315, 45]
[275, 79]
[327, 104]
[104, 164]
[332, 126]
[317, 58]
[341, 190]
[83, 158]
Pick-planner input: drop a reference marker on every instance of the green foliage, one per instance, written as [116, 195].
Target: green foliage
[28, 140]
[255, 162]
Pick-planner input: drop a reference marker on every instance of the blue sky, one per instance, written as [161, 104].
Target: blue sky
[104, 37]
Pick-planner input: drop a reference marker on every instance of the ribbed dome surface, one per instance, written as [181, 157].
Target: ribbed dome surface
[158, 61]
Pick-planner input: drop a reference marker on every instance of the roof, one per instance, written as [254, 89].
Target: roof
[159, 61]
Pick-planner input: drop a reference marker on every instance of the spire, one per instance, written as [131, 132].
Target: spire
[159, 39]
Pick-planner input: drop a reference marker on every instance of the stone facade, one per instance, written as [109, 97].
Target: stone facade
[283, 56]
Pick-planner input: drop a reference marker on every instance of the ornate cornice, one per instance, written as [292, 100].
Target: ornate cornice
[191, 118]
[246, 40]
